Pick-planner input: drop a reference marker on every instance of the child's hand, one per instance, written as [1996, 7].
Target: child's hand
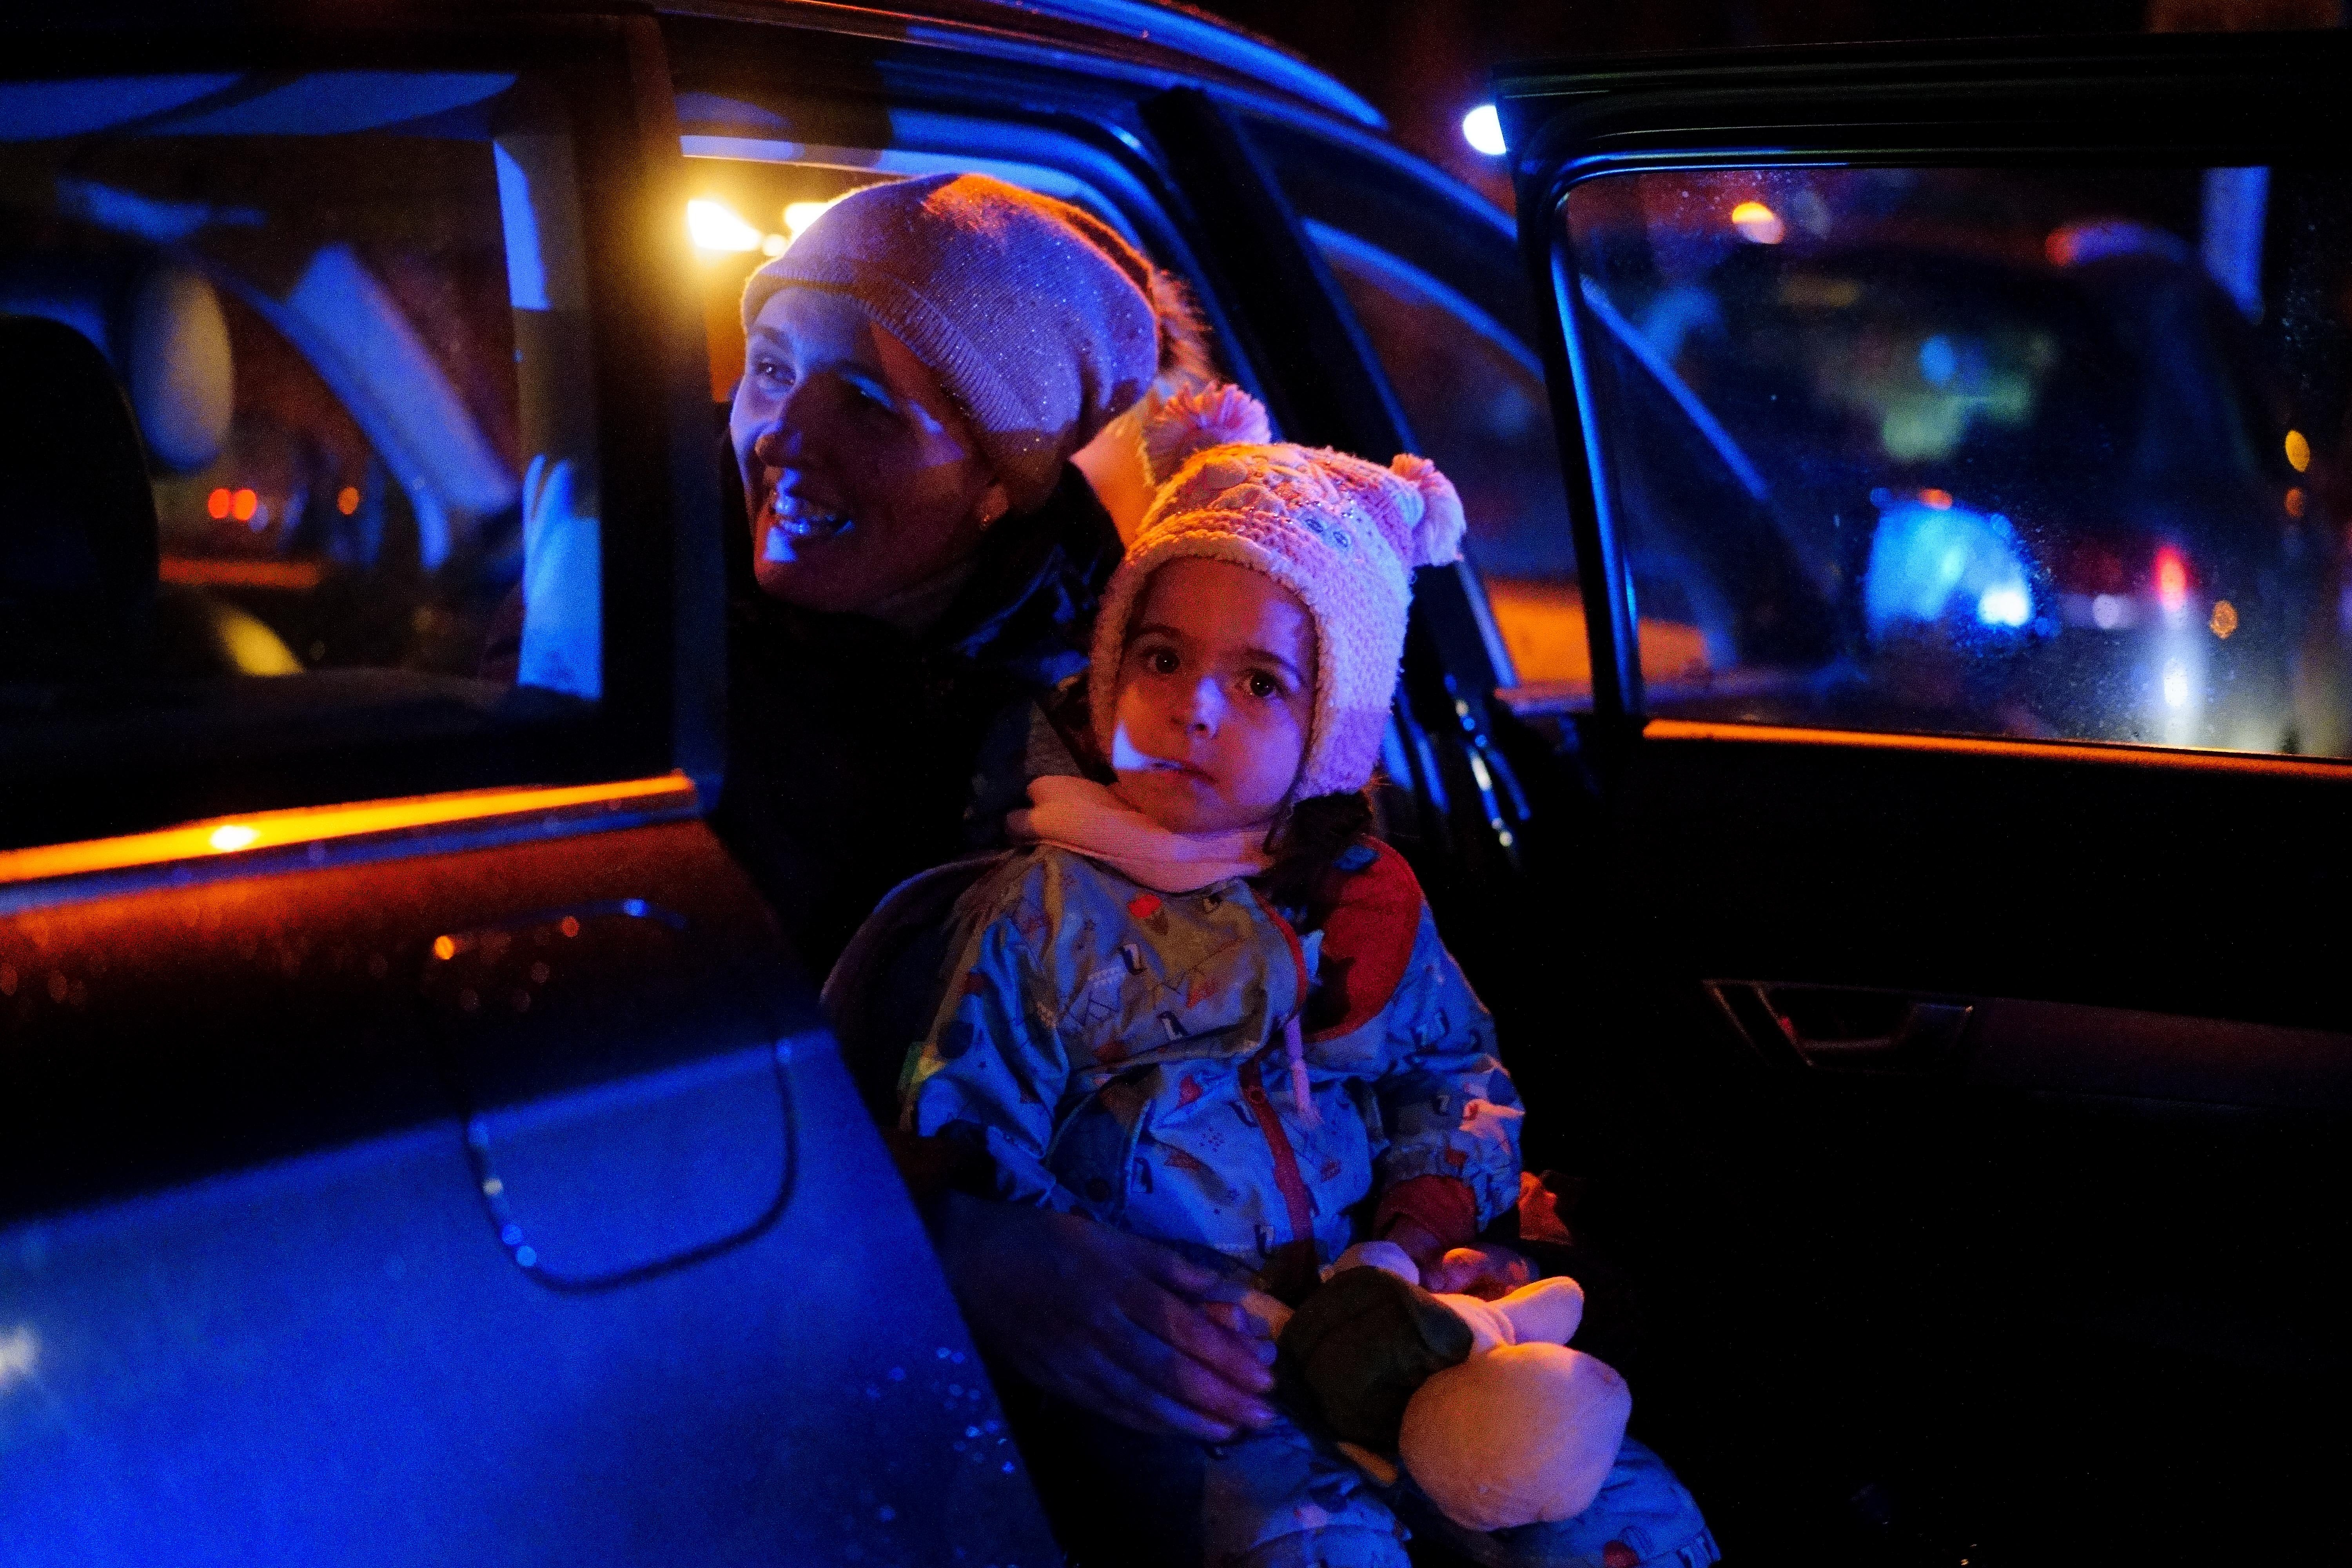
[1425, 1249]
[1485, 1271]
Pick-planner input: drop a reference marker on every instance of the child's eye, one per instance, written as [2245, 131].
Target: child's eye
[1261, 685]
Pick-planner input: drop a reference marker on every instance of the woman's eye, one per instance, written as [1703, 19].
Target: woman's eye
[1160, 662]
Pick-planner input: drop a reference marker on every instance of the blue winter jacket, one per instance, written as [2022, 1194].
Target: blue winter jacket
[1120, 1054]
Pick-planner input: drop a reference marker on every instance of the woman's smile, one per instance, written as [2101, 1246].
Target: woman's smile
[788, 520]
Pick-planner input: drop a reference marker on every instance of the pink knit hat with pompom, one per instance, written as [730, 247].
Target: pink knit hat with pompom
[1341, 533]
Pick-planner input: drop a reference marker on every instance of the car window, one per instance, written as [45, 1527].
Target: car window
[346, 310]
[1433, 278]
[1993, 451]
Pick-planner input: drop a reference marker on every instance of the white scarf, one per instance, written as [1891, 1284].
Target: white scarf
[1086, 817]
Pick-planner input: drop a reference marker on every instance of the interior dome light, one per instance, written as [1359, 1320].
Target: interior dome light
[1483, 129]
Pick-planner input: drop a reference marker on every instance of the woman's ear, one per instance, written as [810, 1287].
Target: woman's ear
[993, 504]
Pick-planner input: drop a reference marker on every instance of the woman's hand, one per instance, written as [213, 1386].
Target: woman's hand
[1112, 1322]
[1485, 1271]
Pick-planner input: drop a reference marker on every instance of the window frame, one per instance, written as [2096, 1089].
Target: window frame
[1376, 166]
[660, 711]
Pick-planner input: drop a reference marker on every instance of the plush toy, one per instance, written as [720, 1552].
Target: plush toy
[1497, 1420]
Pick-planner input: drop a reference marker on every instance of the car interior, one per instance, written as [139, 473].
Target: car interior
[1879, 763]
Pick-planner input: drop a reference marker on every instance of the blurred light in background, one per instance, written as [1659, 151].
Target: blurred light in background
[2004, 606]
[1483, 129]
[235, 836]
[1759, 224]
[1938, 360]
[2299, 451]
[1930, 558]
[20, 1352]
[715, 225]
[798, 216]
[2171, 579]
[2176, 686]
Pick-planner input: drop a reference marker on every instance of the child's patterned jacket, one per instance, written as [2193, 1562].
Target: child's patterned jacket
[1120, 1052]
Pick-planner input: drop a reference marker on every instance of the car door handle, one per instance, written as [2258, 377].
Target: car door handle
[1845, 1028]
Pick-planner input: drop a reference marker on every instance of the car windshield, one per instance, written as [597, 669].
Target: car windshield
[2038, 454]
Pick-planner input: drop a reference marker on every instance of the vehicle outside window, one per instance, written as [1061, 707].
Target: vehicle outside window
[2048, 454]
[347, 310]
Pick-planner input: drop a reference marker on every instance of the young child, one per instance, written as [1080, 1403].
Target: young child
[1210, 1009]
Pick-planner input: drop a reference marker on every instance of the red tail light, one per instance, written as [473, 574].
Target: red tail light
[2171, 578]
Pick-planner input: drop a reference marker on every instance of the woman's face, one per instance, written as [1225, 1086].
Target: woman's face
[860, 478]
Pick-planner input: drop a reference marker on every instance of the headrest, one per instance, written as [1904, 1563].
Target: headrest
[78, 540]
[161, 326]
[172, 340]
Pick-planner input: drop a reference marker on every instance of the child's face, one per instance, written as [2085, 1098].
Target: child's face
[1216, 691]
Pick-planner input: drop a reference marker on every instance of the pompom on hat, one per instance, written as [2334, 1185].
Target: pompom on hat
[1041, 323]
[1342, 534]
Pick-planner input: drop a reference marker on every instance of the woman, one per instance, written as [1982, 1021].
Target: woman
[917, 556]
[916, 561]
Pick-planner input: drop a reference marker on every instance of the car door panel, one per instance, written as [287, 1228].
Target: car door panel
[343, 1267]
[1972, 1109]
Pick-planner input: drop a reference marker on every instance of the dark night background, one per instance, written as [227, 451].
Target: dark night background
[1426, 62]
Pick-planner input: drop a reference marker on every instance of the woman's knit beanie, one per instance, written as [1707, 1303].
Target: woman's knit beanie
[1040, 321]
[1341, 533]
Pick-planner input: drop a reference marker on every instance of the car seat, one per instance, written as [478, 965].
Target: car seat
[885, 989]
[78, 538]
[80, 550]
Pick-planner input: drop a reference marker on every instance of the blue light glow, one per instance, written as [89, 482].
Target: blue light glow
[2006, 606]
[1938, 361]
[1483, 129]
[1931, 561]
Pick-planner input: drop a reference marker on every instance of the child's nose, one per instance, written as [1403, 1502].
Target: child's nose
[1202, 708]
